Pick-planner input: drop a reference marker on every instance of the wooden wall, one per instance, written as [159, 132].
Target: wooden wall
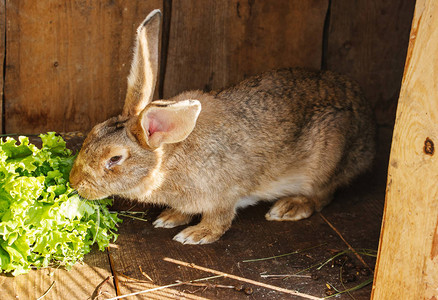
[66, 62]
[368, 40]
[213, 44]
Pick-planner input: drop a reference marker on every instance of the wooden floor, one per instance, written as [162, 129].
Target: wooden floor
[144, 257]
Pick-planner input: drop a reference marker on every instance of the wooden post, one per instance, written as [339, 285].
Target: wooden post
[407, 265]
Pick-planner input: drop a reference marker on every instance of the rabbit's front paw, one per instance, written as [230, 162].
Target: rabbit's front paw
[198, 234]
[291, 209]
[170, 218]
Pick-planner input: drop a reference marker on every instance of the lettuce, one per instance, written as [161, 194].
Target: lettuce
[43, 221]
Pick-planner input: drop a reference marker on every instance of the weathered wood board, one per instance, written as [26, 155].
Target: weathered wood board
[368, 40]
[407, 266]
[67, 62]
[79, 283]
[213, 44]
[142, 246]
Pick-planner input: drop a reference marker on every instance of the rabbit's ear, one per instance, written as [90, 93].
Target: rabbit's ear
[166, 122]
[143, 75]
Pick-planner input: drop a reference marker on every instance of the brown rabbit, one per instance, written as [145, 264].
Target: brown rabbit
[291, 136]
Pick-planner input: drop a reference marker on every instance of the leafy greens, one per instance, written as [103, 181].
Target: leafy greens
[43, 222]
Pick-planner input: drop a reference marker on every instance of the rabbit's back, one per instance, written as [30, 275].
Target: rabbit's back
[287, 104]
[295, 94]
[314, 127]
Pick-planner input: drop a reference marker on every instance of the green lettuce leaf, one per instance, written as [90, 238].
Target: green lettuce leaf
[43, 222]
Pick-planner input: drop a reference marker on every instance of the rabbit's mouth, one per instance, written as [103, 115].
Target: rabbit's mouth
[88, 190]
[91, 194]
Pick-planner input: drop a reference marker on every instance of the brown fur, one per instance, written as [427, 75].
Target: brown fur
[289, 134]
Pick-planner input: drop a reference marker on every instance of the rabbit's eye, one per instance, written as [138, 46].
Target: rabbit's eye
[113, 161]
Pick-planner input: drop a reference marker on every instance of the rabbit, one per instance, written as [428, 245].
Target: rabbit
[290, 136]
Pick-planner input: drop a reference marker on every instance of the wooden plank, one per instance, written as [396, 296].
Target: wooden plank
[368, 39]
[407, 266]
[67, 62]
[79, 283]
[214, 44]
[2, 56]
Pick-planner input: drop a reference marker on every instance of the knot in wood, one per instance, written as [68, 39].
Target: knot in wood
[429, 147]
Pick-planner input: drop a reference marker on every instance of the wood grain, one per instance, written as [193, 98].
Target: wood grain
[214, 44]
[79, 283]
[67, 61]
[407, 266]
[368, 39]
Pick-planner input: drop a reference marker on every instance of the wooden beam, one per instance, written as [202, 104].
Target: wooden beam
[407, 266]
